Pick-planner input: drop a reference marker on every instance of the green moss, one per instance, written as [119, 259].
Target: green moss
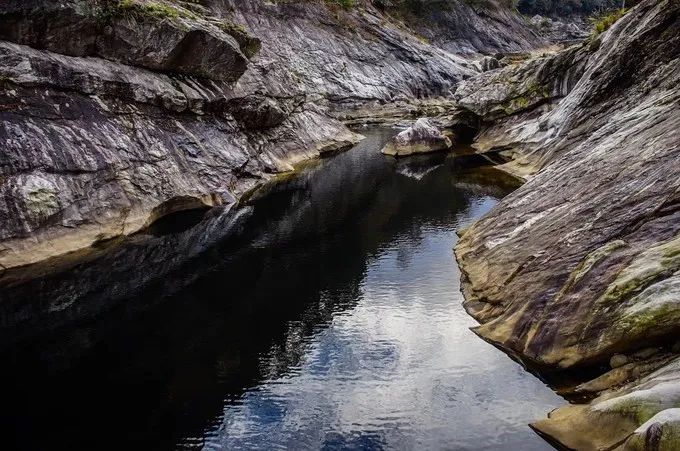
[250, 45]
[154, 9]
[638, 410]
[644, 323]
[343, 3]
[593, 258]
[647, 267]
[525, 96]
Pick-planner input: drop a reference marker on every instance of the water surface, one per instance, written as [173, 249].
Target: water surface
[330, 317]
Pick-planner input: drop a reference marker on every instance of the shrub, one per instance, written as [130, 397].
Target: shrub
[603, 23]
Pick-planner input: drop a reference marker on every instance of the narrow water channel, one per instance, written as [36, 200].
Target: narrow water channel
[328, 317]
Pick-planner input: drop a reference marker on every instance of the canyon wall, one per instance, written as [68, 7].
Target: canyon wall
[115, 113]
[581, 264]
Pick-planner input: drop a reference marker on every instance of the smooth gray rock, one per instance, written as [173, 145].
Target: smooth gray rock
[114, 113]
[421, 137]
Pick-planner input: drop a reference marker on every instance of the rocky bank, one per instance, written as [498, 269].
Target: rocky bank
[581, 263]
[115, 113]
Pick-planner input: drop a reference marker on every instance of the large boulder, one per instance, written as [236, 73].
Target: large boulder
[421, 137]
[159, 35]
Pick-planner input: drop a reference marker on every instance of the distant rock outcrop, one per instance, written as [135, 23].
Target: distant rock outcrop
[421, 137]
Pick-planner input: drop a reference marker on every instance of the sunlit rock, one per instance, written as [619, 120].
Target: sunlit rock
[421, 137]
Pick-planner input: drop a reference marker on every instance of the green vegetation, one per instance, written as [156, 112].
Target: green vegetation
[603, 23]
[344, 3]
[150, 8]
[567, 7]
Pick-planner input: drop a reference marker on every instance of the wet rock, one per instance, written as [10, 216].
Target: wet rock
[421, 137]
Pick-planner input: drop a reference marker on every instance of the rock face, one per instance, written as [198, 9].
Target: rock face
[467, 27]
[562, 30]
[581, 263]
[94, 149]
[115, 113]
[639, 416]
[421, 137]
[163, 36]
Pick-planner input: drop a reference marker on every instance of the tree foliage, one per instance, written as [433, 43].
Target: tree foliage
[567, 7]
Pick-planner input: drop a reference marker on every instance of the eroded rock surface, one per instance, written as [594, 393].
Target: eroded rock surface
[639, 416]
[115, 112]
[581, 263]
[590, 241]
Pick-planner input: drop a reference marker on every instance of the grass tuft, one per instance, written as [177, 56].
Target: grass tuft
[604, 23]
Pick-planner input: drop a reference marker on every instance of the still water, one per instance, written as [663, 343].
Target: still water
[324, 315]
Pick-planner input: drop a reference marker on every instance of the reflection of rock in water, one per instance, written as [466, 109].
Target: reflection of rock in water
[81, 286]
[418, 166]
[216, 297]
[415, 172]
[176, 251]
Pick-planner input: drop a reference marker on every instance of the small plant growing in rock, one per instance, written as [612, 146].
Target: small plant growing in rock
[604, 23]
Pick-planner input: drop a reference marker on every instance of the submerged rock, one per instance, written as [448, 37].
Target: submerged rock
[421, 137]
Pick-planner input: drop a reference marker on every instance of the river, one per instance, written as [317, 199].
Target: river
[329, 317]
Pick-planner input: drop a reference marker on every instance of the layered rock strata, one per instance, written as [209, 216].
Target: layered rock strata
[581, 263]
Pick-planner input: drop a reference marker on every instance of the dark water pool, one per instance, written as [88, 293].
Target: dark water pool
[328, 317]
